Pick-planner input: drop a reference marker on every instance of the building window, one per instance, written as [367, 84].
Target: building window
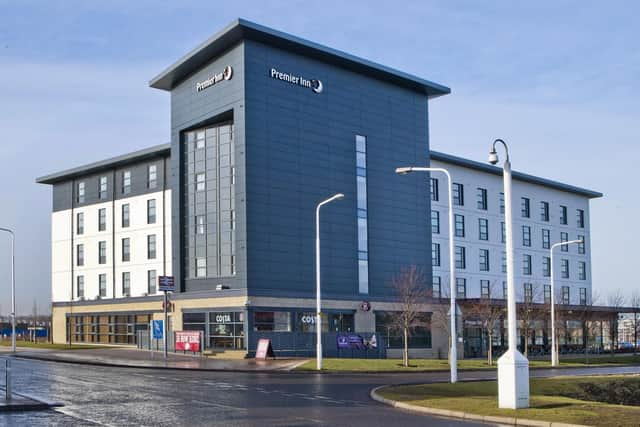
[484, 289]
[126, 284]
[528, 292]
[501, 203]
[200, 181]
[152, 176]
[200, 224]
[80, 192]
[580, 218]
[484, 259]
[504, 262]
[102, 188]
[565, 295]
[526, 211]
[526, 235]
[546, 239]
[80, 287]
[434, 189]
[151, 282]
[363, 239]
[582, 270]
[461, 261]
[80, 223]
[435, 222]
[547, 294]
[503, 233]
[483, 229]
[583, 296]
[102, 219]
[436, 287]
[563, 215]
[564, 237]
[272, 321]
[102, 252]
[546, 266]
[461, 287]
[126, 249]
[102, 285]
[151, 211]
[435, 254]
[581, 246]
[80, 255]
[458, 194]
[526, 265]
[201, 267]
[125, 215]
[151, 246]
[459, 225]
[564, 268]
[482, 199]
[544, 211]
[505, 290]
[126, 182]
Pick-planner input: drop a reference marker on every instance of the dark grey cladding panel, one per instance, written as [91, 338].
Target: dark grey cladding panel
[62, 196]
[191, 109]
[301, 149]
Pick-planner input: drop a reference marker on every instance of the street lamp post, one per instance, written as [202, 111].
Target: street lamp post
[13, 288]
[453, 351]
[554, 344]
[513, 367]
[318, 319]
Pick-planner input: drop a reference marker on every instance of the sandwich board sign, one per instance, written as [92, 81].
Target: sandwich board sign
[264, 349]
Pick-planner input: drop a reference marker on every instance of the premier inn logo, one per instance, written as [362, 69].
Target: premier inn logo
[226, 74]
[314, 84]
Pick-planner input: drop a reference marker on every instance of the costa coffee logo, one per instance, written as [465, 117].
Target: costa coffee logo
[225, 74]
[365, 306]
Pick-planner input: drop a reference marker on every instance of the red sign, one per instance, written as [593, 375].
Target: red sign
[188, 341]
[264, 349]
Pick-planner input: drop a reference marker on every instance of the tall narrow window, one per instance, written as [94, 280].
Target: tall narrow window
[505, 290]
[546, 239]
[484, 259]
[152, 176]
[80, 223]
[126, 249]
[583, 296]
[504, 262]
[461, 287]
[435, 254]
[564, 237]
[547, 294]
[126, 182]
[125, 215]
[525, 204]
[200, 224]
[544, 211]
[563, 215]
[565, 295]
[80, 287]
[528, 292]
[458, 194]
[102, 252]
[501, 202]
[483, 229]
[151, 282]
[80, 192]
[581, 246]
[201, 267]
[460, 257]
[102, 188]
[102, 285]
[361, 187]
[126, 284]
[484, 289]
[546, 266]
[436, 286]
[503, 232]
[80, 255]
[482, 198]
[582, 270]
[526, 235]
[151, 246]
[526, 265]
[200, 181]
[564, 268]
[580, 218]
[434, 189]
[435, 222]
[102, 219]
[459, 225]
[151, 211]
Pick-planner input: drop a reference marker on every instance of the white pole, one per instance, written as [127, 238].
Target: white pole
[318, 307]
[554, 345]
[511, 291]
[453, 351]
[13, 288]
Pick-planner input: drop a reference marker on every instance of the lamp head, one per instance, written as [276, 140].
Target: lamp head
[338, 196]
[493, 156]
[403, 171]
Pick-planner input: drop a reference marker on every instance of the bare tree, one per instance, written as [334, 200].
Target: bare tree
[488, 311]
[615, 300]
[588, 319]
[634, 302]
[441, 317]
[528, 312]
[409, 287]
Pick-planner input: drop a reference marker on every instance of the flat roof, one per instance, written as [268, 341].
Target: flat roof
[122, 160]
[242, 29]
[460, 161]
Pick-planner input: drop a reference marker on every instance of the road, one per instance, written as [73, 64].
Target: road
[96, 395]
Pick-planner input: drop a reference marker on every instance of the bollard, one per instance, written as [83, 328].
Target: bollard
[7, 372]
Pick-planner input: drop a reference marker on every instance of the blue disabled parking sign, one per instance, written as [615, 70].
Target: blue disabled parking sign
[158, 329]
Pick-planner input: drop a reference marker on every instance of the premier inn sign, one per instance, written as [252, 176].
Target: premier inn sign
[314, 84]
[225, 74]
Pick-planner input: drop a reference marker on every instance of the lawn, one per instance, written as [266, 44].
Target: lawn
[420, 365]
[561, 399]
[50, 346]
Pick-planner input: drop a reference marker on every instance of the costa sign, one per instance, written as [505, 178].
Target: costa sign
[188, 341]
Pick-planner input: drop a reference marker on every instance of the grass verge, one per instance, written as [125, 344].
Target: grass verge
[51, 346]
[422, 365]
[550, 400]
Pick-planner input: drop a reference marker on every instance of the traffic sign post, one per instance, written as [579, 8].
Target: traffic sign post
[166, 284]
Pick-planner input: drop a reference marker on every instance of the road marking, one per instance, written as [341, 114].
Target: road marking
[219, 405]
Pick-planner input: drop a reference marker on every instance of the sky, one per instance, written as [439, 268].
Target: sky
[558, 80]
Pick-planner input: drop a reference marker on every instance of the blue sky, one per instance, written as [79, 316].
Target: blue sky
[558, 80]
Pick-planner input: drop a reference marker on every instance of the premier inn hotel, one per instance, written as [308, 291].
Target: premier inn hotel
[264, 126]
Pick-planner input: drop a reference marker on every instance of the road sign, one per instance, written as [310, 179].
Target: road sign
[166, 283]
[158, 329]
